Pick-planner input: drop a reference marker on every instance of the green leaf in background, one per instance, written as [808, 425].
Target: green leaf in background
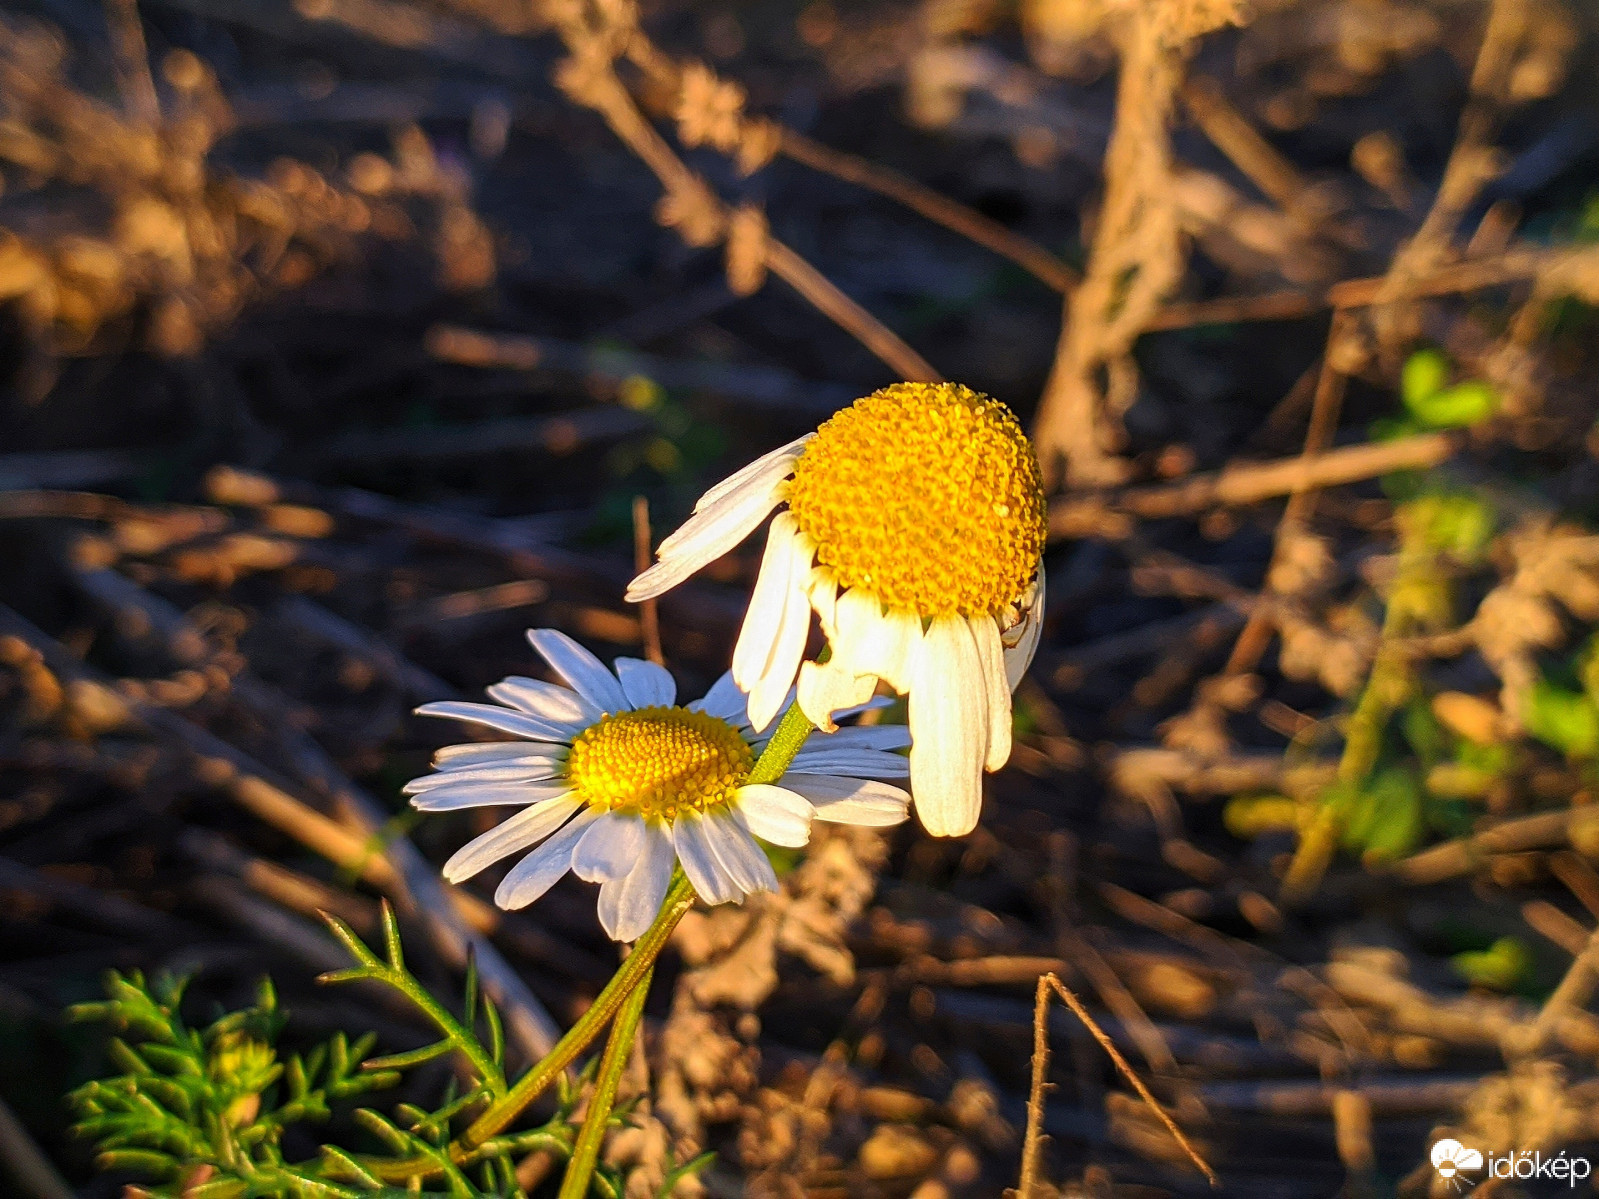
[1426, 737]
[1384, 820]
[1564, 720]
[1424, 375]
[1460, 406]
[1503, 966]
[1426, 395]
[1458, 523]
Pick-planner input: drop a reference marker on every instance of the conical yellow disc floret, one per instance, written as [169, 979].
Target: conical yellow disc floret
[927, 495]
[656, 762]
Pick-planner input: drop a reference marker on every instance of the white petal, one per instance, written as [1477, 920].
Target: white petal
[628, 905]
[487, 795]
[824, 688]
[880, 643]
[520, 831]
[996, 691]
[776, 814]
[707, 535]
[496, 753]
[866, 736]
[516, 772]
[583, 672]
[522, 724]
[544, 866]
[949, 729]
[786, 455]
[1020, 656]
[538, 698]
[645, 684]
[745, 861]
[704, 869]
[725, 700]
[840, 759]
[851, 801]
[823, 590]
[609, 849]
[772, 641]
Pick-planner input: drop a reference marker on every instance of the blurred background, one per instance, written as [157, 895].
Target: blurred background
[342, 340]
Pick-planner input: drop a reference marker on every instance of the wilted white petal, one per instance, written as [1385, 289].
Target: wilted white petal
[543, 866]
[776, 814]
[885, 645]
[745, 861]
[823, 591]
[772, 641]
[783, 456]
[536, 728]
[826, 688]
[520, 831]
[707, 535]
[949, 732]
[560, 704]
[704, 869]
[628, 905]
[1020, 656]
[609, 849]
[583, 672]
[645, 684]
[996, 691]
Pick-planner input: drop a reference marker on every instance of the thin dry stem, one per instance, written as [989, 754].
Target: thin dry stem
[649, 610]
[968, 222]
[1105, 1043]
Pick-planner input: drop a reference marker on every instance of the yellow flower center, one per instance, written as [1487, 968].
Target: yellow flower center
[928, 496]
[657, 761]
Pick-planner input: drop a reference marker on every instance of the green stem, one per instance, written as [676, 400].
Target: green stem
[786, 741]
[633, 974]
[586, 1152]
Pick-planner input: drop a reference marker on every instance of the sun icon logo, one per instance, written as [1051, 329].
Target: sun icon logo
[1450, 1157]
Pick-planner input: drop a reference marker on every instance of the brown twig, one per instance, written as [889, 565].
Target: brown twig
[886, 181]
[1324, 410]
[1033, 1141]
[1509, 267]
[1106, 513]
[649, 610]
[1109, 1046]
[847, 314]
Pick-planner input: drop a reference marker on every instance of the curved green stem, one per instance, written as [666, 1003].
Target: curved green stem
[586, 1152]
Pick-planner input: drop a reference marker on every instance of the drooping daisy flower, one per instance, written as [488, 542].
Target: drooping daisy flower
[616, 782]
[915, 528]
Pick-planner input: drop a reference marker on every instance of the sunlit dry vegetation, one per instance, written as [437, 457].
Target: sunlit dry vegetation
[342, 340]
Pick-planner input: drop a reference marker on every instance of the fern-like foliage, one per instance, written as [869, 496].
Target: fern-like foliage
[201, 1112]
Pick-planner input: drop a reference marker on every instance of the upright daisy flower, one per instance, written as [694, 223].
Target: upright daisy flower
[616, 782]
[915, 528]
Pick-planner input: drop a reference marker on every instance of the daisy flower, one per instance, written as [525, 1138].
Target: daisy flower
[914, 527]
[616, 782]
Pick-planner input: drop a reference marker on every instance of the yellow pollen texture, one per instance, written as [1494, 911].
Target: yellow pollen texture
[656, 762]
[926, 495]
